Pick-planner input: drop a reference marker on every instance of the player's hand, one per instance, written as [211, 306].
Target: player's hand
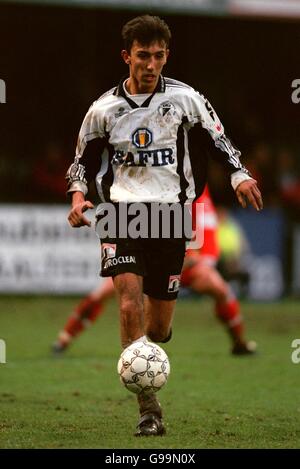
[76, 217]
[248, 192]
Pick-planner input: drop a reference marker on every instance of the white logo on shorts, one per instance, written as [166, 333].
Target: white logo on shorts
[108, 251]
[174, 283]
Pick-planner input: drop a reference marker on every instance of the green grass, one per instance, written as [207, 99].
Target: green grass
[212, 400]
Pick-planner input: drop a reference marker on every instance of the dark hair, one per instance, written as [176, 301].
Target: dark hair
[145, 29]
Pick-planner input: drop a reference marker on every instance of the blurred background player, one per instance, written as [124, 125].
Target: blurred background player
[235, 253]
[199, 274]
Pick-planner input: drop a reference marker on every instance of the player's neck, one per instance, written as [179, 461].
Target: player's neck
[135, 87]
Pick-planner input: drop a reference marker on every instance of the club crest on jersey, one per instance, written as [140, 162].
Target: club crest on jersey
[121, 112]
[142, 137]
[165, 108]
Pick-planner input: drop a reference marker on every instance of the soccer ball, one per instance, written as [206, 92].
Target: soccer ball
[143, 366]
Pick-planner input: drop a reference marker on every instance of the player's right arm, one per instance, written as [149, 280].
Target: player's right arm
[90, 145]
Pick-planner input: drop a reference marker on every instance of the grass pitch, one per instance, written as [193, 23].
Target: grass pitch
[212, 399]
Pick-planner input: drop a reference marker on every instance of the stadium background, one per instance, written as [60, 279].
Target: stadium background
[56, 59]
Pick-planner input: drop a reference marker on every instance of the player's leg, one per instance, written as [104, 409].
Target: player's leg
[205, 278]
[158, 315]
[158, 318]
[129, 292]
[85, 313]
[161, 285]
[128, 289]
[128, 283]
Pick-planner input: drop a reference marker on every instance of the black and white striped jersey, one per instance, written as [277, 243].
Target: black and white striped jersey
[151, 148]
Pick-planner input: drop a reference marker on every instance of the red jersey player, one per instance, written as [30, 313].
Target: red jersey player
[199, 273]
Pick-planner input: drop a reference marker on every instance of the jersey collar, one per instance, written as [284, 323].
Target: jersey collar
[160, 88]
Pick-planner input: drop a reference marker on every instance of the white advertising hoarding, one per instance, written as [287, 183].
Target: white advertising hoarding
[41, 253]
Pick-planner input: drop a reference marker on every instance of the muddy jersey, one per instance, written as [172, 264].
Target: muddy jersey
[150, 148]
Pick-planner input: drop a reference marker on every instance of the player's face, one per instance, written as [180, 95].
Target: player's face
[145, 65]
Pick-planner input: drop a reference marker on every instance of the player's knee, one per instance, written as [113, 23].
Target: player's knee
[129, 307]
[222, 292]
[220, 295]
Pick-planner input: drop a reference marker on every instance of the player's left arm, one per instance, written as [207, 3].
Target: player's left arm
[222, 149]
[248, 191]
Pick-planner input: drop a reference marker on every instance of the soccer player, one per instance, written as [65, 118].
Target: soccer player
[145, 141]
[199, 273]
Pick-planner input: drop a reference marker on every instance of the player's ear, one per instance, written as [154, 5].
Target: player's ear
[125, 56]
[166, 55]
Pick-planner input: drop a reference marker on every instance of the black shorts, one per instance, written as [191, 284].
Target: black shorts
[159, 261]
